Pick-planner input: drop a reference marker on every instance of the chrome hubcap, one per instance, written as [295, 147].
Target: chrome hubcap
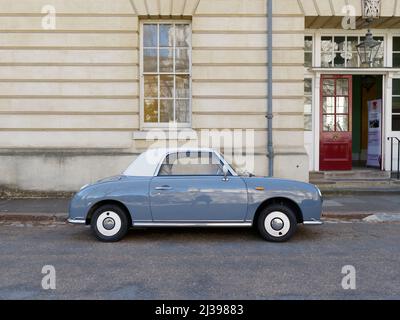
[277, 224]
[109, 223]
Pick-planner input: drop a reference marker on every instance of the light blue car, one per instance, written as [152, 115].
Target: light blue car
[193, 188]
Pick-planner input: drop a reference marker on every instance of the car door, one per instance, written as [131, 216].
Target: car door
[188, 189]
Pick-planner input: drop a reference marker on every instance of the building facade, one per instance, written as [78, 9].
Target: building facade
[88, 85]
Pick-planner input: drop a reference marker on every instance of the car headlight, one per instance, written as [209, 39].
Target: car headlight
[319, 191]
[86, 185]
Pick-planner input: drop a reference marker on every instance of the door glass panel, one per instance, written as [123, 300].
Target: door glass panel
[342, 87]
[328, 87]
[329, 105]
[342, 123]
[342, 105]
[329, 122]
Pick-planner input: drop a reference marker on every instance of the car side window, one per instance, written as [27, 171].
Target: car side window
[191, 164]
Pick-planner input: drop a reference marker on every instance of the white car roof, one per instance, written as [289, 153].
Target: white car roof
[148, 162]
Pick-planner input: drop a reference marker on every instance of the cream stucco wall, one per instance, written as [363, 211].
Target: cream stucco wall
[74, 90]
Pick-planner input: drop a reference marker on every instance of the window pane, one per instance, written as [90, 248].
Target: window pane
[194, 163]
[182, 32]
[150, 60]
[352, 59]
[166, 86]
[166, 110]
[307, 86]
[329, 105]
[308, 43]
[150, 35]
[182, 60]
[308, 59]
[307, 104]
[342, 87]
[342, 105]
[329, 123]
[352, 43]
[182, 87]
[396, 60]
[396, 123]
[396, 44]
[326, 52]
[166, 35]
[339, 60]
[339, 43]
[328, 87]
[396, 105]
[166, 60]
[379, 57]
[182, 111]
[150, 110]
[396, 87]
[151, 86]
[342, 123]
[326, 60]
[308, 122]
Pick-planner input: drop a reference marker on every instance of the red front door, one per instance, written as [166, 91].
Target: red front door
[335, 123]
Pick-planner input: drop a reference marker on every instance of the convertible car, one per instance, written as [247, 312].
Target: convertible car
[193, 188]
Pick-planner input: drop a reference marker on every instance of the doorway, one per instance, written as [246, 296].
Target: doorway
[344, 120]
[365, 88]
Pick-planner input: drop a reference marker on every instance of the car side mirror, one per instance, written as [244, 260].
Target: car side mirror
[225, 170]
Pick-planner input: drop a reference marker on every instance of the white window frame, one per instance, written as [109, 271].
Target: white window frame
[394, 52]
[350, 33]
[145, 125]
[397, 132]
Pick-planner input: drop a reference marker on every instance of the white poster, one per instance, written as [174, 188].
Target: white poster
[374, 133]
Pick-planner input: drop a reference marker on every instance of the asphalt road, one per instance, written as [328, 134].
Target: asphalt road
[201, 263]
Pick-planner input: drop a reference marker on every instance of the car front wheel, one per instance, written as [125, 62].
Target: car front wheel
[277, 223]
[109, 223]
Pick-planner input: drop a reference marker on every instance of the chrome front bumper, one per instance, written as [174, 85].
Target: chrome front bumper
[76, 221]
[313, 223]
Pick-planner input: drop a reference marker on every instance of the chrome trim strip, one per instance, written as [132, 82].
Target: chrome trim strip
[76, 221]
[313, 223]
[191, 224]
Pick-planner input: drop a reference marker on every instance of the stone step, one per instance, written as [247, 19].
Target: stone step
[353, 175]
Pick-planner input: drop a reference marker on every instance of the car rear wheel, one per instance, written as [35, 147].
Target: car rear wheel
[277, 223]
[109, 223]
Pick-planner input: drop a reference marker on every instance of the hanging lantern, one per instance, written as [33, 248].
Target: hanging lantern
[368, 49]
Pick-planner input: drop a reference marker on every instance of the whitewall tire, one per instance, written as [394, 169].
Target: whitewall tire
[277, 223]
[109, 223]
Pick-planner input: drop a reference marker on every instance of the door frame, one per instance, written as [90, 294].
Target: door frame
[387, 76]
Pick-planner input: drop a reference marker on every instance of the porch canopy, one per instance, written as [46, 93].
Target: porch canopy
[329, 14]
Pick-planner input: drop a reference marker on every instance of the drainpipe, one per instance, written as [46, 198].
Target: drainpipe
[269, 90]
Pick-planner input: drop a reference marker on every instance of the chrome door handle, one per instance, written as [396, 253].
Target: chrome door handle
[164, 188]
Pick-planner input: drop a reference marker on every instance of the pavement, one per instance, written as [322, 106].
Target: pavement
[201, 263]
[336, 206]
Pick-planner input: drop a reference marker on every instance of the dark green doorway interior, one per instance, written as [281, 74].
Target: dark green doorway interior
[365, 88]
